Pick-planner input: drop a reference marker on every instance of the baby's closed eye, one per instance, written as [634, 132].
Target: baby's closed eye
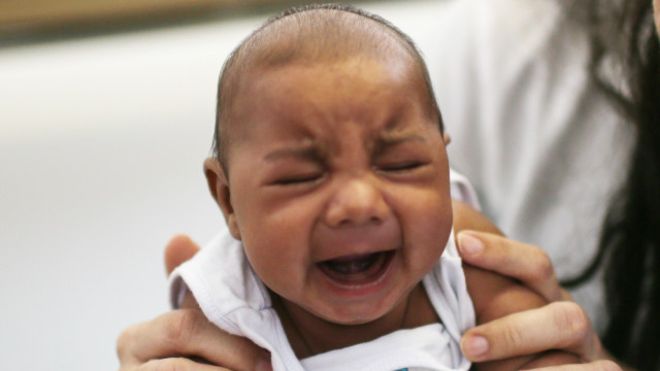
[299, 178]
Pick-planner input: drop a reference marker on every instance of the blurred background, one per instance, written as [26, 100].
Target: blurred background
[106, 114]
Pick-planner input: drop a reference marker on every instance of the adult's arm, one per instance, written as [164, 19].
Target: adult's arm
[560, 325]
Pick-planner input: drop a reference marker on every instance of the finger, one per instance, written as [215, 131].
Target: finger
[560, 325]
[178, 250]
[601, 365]
[178, 364]
[526, 263]
[187, 332]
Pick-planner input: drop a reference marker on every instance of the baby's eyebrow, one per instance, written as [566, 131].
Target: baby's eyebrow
[307, 152]
[392, 139]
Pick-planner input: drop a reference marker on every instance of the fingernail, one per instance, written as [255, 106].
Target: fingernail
[264, 365]
[475, 346]
[469, 245]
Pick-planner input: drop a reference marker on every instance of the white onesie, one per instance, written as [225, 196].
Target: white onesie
[233, 298]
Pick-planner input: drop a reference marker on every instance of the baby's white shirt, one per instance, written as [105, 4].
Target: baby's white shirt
[233, 298]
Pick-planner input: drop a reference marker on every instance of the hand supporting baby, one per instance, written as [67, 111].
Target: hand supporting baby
[184, 340]
[561, 324]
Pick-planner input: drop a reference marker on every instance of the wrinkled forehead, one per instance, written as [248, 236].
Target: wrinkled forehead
[334, 107]
[353, 89]
[317, 37]
[330, 105]
[354, 85]
[350, 41]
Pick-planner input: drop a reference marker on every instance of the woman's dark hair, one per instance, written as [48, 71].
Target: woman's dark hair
[629, 248]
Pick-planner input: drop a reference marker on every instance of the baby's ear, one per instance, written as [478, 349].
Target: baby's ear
[446, 138]
[218, 182]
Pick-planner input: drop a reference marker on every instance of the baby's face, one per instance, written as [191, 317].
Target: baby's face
[338, 185]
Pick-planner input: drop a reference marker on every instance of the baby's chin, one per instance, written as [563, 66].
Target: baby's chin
[377, 312]
[352, 319]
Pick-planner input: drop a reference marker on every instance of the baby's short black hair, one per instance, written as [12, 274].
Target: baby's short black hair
[312, 33]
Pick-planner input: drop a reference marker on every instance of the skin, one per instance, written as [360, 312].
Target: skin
[336, 161]
[187, 333]
[340, 159]
[560, 325]
[566, 326]
[354, 191]
[530, 265]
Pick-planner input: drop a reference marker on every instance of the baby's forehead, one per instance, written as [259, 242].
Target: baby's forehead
[312, 101]
[301, 87]
[286, 90]
[356, 71]
[312, 37]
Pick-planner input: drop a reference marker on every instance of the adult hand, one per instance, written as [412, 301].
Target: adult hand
[183, 339]
[561, 325]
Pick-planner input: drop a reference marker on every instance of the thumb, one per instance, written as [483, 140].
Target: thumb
[179, 249]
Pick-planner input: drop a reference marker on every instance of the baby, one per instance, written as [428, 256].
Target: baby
[332, 176]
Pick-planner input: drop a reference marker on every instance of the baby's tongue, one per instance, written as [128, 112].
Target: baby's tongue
[354, 269]
[351, 266]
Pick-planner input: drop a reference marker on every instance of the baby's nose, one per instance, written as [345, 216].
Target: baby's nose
[358, 201]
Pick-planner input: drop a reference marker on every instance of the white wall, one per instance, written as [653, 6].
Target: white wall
[101, 146]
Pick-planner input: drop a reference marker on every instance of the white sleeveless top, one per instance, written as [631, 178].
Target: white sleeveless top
[233, 298]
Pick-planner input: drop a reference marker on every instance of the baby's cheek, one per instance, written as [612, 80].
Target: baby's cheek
[273, 266]
[277, 254]
[427, 225]
[431, 205]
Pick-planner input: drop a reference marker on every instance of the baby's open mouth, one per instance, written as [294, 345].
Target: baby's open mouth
[357, 269]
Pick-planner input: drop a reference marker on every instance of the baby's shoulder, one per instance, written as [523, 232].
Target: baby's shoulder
[493, 295]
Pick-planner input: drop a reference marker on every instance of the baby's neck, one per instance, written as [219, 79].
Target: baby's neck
[310, 335]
